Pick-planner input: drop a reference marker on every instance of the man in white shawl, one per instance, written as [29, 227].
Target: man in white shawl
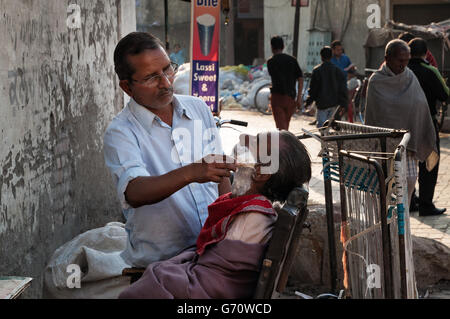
[395, 99]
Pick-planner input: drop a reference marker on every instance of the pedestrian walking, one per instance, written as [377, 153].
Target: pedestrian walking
[396, 100]
[435, 89]
[285, 72]
[328, 88]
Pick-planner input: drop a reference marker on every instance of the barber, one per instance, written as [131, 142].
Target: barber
[163, 187]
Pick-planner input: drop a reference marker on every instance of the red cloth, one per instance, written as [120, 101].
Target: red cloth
[220, 214]
[430, 58]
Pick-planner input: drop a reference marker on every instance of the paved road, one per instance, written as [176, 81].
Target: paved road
[435, 227]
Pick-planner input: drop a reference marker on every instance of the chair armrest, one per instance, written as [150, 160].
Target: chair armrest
[133, 273]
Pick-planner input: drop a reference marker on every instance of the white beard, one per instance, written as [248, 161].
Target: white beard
[242, 181]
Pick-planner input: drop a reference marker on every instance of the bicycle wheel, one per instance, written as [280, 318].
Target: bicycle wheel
[262, 107]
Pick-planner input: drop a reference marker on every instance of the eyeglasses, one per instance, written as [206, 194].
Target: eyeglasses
[154, 80]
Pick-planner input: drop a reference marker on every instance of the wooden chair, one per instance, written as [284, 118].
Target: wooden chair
[283, 246]
[133, 273]
[281, 251]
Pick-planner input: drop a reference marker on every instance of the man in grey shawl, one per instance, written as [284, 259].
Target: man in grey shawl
[395, 99]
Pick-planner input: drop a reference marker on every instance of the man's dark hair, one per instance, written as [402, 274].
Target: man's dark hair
[277, 43]
[336, 43]
[406, 36]
[418, 47]
[132, 44]
[294, 168]
[326, 53]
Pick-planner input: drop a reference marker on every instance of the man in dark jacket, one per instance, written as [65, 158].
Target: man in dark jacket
[328, 87]
[435, 89]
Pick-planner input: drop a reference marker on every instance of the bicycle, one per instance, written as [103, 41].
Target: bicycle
[262, 102]
[359, 99]
[220, 123]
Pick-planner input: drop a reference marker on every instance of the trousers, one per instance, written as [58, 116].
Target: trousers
[428, 179]
[323, 115]
[283, 107]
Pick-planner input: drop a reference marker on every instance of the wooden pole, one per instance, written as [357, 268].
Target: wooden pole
[296, 27]
[166, 23]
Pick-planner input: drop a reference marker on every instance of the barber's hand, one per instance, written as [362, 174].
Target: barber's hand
[212, 168]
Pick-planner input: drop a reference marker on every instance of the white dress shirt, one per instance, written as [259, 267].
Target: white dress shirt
[138, 143]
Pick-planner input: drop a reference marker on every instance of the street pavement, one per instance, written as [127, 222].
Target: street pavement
[434, 227]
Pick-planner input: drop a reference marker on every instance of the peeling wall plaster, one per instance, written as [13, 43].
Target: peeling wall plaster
[58, 93]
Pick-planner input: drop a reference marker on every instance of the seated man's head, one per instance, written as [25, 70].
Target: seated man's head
[276, 162]
[336, 47]
[326, 53]
[397, 55]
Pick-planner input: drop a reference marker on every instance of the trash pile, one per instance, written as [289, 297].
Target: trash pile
[181, 82]
[238, 85]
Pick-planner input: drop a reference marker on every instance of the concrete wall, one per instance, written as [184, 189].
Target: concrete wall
[58, 92]
[279, 17]
[328, 15]
[415, 2]
[333, 15]
[347, 20]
